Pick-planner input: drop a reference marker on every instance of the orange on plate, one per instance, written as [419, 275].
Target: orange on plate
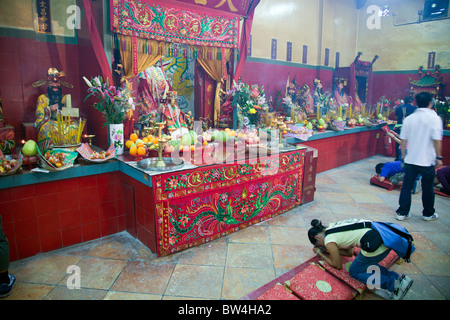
[134, 137]
[129, 143]
[133, 150]
[141, 151]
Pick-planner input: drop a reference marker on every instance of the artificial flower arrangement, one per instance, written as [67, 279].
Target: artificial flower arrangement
[115, 105]
[251, 103]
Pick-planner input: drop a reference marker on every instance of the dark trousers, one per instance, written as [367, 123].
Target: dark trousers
[443, 176]
[359, 270]
[411, 173]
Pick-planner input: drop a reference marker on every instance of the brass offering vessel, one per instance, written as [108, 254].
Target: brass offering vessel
[161, 140]
[89, 137]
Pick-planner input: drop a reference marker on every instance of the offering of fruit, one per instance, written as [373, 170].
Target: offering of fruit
[321, 125]
[186, 139]
[169, 148]
[99, 155]
[7, 165]
[206, 136]
[352, 122]
[29, 148]
[56, 159]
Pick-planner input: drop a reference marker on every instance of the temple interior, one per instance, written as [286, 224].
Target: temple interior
[180, 149]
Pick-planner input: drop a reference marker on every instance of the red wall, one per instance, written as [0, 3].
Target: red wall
[396, 85]
[273, 76]
[48, 216]
[24, 61]
[344, 149]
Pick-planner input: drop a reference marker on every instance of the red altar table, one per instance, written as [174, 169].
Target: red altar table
[199, 205]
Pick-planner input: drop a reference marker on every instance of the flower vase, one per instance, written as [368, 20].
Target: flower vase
[115, 137]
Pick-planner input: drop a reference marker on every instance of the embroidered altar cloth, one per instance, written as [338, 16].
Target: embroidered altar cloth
[175, 23]
[200, 205]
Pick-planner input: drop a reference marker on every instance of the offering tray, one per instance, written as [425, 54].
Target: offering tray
[150, 164]
[287, 147]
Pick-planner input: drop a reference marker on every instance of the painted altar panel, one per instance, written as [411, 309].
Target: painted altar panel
[179, 72]
[200, 205]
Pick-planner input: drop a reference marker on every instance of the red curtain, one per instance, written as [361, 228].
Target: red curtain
[245, 39]
[97, 44]
[204, 94]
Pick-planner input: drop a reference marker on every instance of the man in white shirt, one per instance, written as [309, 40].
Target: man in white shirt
[422, 131]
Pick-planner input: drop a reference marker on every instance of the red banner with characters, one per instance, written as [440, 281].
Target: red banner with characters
[200, 205]
[174, 22]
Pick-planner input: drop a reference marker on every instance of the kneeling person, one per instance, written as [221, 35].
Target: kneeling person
[372, 252]
[391, 170]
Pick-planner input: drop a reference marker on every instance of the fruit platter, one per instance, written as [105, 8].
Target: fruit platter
[9, 167]
[299, 132]
[141, 147]
[96, 156]
[56, 159]
[338, 124]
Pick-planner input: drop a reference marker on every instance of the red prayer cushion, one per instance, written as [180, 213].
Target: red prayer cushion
[344, 275]
[389, 260]
[441, 193]
[385, 184]
[277, 292]
[314, 283]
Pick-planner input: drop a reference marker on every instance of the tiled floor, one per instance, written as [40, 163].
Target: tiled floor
[119, 267]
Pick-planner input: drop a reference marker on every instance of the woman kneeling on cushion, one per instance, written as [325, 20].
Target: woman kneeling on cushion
[342, 243]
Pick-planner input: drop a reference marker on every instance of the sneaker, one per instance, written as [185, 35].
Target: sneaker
[417, 185]
[402, 286]
[431, 218]
[383, 293]
[401, 217]
[6, 288]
